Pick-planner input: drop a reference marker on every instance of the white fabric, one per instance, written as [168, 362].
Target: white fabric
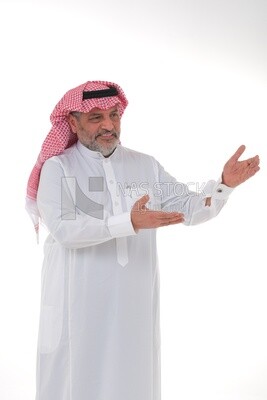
[99, 336]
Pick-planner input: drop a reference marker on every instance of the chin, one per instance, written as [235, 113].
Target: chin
[108, 152]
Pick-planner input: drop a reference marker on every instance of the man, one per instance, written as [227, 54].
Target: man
[99, 336]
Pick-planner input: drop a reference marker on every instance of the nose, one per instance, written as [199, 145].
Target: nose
[107, 124]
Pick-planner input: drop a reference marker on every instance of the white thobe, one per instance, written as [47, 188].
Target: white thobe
[99, 334]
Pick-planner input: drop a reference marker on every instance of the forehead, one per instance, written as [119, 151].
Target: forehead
[97, 110]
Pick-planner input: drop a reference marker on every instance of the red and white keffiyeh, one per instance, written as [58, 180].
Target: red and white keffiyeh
[61, 137]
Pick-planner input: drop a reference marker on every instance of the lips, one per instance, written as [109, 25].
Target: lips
[107, 135]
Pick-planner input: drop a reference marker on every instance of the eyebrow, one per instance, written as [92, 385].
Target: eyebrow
[95, 113]
[100, 111]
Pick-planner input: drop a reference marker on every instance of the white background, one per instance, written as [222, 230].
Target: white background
[195, 76]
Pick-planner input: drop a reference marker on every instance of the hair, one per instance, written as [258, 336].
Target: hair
[76, 114]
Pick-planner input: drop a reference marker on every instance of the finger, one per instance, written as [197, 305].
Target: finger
[238, 153]
[253, 171]
[144, 199]
[172, 222]
[163, 215]
[253, 161]
[140, 205]
[140, 208]
[173, 219]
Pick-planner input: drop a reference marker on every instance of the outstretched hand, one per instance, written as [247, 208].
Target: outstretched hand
[236, 172]
[144, 218]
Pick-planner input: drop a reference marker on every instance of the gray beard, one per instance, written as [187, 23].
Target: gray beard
[105, 151]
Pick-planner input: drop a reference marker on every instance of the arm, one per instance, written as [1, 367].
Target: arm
[190, 207]
[197, 206]
[178, 203]
[82, 231]
[209, 203]
[200, 207]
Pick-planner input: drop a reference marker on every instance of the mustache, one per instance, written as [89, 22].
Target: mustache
[105, 131]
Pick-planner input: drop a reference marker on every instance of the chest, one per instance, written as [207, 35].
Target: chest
[114, 183]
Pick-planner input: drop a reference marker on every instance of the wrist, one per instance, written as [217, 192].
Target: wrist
[221, 190]
[226, 183]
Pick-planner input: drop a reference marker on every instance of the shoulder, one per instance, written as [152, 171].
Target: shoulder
[63, 157]
[137, 155]
[59, 165]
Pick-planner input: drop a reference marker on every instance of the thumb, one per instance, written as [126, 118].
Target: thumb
[140, 205]
[238, 153]
[144, 199]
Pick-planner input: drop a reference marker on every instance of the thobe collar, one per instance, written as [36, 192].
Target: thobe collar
[93, 154]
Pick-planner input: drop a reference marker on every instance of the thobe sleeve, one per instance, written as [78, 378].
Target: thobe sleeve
[176, 196]
[83, 230]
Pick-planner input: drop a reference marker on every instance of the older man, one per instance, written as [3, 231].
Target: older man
[99, 336]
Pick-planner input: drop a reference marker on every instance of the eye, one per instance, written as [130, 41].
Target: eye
[95, 118]
[115, 115]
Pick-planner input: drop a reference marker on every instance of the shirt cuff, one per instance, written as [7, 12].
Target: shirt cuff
[121, 225]
[221, 191]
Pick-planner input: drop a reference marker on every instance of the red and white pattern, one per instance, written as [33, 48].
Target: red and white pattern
[61, 137]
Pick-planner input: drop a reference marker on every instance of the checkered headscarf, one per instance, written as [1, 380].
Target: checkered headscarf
[61, 137]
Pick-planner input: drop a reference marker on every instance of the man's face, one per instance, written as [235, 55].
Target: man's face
[98, 130]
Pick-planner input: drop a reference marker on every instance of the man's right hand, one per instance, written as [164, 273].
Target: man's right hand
[143, 218]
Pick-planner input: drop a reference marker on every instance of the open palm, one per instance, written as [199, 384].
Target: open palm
[236, 172]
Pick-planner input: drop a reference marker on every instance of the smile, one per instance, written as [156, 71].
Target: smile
[108, 135]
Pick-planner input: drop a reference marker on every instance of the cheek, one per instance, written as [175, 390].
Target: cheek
[117, 126]
[91, 131]
[86, 136]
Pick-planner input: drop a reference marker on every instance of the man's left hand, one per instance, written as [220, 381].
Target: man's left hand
[236, 172]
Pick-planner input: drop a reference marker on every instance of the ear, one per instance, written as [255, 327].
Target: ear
[73, 123]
